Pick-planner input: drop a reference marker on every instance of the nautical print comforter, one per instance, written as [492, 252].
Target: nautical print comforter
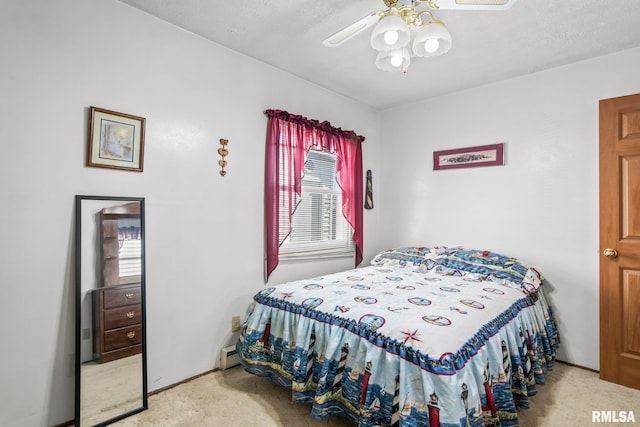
[422, 337]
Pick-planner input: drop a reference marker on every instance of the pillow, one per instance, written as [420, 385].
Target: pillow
[460, 261]
[411, 255]
[491, 264]
[532, 280]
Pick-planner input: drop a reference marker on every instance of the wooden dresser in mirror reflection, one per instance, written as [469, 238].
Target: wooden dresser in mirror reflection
[117, 304]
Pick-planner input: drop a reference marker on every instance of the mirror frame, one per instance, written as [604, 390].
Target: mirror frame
[78, 304]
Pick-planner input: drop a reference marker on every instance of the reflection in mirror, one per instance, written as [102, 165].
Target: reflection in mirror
[110, 309]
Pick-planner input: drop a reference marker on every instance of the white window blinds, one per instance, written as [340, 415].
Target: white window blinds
[318, 227]
[130, 258]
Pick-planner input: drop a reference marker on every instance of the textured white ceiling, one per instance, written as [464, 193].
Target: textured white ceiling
[488, 46]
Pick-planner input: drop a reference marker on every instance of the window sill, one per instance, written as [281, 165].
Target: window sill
[317, 255]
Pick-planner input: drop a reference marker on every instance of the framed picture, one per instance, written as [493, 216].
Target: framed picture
[116, 140]
[483, 155]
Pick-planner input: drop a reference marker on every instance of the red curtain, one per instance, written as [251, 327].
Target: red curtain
[289, 139]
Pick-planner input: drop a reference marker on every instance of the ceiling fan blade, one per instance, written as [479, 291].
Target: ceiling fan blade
[472, 4]
[352, 30]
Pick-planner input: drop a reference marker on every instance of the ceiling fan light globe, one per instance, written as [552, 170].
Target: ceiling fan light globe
[397, 60]
[426, 37]
[431, 45]
[380, 36]
[391, 37]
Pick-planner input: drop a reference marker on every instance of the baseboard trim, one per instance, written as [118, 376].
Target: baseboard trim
[578, 366]
[186, 380]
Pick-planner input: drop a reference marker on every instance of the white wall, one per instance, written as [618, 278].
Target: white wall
[204, 232]
[541, 207]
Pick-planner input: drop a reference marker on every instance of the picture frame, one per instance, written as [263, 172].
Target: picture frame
[469, 157]
[116, 140]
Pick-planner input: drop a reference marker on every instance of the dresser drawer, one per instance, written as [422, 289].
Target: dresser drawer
[122, 295]
[122, 316]
[122, 337]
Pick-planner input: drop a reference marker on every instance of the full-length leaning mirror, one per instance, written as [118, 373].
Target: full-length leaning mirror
[111, 364]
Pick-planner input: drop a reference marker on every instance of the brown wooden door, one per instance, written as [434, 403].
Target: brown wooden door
[620, 231]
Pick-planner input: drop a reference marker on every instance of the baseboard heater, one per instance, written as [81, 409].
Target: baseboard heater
[229, 357]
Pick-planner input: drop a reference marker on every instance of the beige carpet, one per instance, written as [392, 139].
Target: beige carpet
[236, 398]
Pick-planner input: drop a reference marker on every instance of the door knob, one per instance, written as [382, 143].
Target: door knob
[610, 253]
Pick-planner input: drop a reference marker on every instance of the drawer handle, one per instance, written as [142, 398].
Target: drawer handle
[131, 334]
[129, 295]
[130, 315]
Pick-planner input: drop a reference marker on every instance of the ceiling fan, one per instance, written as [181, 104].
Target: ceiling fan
[403, 31]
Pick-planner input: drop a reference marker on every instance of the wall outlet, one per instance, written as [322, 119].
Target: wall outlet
[235, 324]
[86, 333]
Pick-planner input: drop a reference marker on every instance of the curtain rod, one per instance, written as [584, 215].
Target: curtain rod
[325, 126]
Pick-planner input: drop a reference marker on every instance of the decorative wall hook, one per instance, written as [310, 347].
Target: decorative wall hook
[223, 153]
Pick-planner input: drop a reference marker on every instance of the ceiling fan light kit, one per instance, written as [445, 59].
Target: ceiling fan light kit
[402, 32]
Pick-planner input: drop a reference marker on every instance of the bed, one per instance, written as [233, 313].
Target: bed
[424, 336]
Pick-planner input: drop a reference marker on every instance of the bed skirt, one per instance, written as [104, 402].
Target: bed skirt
[341, 368]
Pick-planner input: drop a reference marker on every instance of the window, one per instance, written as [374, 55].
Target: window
[130, 258]
[319, 214]
[318, 226]
[130, 247]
